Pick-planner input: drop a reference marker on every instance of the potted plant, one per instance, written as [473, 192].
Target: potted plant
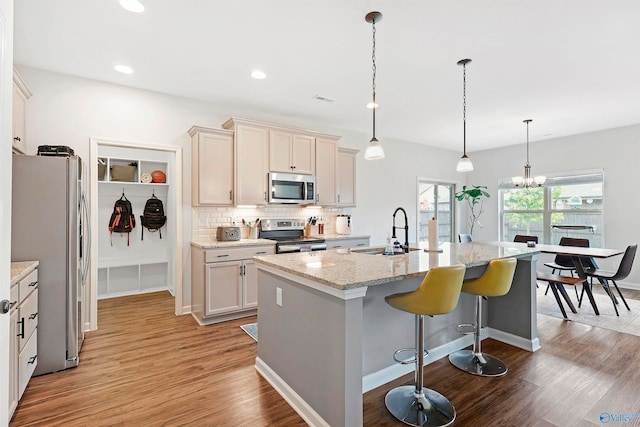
[475, 198]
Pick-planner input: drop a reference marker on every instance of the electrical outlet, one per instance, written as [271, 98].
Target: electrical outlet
[279, 297]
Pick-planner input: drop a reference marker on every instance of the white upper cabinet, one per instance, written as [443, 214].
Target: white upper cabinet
[211, 167]
[346, 177]
[326, 160]
[251, 157]
[291, 152]
[20, 95]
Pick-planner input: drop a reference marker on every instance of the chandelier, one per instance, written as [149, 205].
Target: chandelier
[528, 181]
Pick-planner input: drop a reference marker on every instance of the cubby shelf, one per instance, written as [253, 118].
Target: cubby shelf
[130, 264]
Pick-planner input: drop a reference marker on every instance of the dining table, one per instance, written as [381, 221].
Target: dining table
[582, 258]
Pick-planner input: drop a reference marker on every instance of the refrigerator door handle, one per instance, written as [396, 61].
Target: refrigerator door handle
[87, 257]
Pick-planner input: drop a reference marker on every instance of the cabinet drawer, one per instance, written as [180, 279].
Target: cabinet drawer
[14, 296]
[28, 313]
[237, 254]
[28, 284]
[27, 363]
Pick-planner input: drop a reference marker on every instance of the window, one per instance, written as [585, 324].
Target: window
[568, 205]
[435, 200]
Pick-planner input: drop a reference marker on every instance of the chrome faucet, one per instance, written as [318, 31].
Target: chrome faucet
[406, 229]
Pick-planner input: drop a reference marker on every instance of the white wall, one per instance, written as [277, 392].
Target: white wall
[615, 151]
[66, 110]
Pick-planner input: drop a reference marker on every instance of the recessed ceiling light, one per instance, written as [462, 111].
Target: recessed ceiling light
[123, 69]
[257, 74]
[132, 5]
[371, 105]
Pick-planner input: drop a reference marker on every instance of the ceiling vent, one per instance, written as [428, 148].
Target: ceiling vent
[323, 98]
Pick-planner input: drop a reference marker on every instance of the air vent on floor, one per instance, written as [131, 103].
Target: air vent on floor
[323, 98]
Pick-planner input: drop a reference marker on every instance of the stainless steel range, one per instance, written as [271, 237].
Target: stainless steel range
[289, 235]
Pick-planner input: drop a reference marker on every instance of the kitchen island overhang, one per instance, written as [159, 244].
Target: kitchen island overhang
[327, 336]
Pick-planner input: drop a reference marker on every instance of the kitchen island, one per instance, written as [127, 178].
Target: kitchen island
[326, 335]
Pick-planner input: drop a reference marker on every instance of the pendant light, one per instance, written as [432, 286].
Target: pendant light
[374, 150]
[464, 164]
[528, 181]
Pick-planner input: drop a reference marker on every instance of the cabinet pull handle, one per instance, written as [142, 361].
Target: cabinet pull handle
[222, 256]
[317, 197]
[32, 359]
[21, 322]
[32, 284]
[230, 194]
[360, 244]
[17, 138]
[12, 304]
[33, 316]
[336, 246]
[265, 196]
[261, 252]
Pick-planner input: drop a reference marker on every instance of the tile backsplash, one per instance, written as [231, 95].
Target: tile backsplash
[205, 220]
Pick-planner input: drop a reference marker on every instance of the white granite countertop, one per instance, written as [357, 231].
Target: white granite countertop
[349, 269]
[206, 243]
[210, 243]
[20, 270]
[340, 236]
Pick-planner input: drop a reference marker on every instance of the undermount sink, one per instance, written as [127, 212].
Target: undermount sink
[378, 250]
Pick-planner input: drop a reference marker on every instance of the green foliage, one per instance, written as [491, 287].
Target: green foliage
[474, 194]
[475, 197]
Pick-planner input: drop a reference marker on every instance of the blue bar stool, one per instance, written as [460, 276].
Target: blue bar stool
[494, 282]
[437, 294]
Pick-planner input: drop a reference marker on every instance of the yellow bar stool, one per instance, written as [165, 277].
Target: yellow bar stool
[437, 294]
[494, 282]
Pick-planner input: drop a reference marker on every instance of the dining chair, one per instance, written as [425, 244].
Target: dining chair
[564, 262]
[624, 269]
[521, 238]
[465, 238]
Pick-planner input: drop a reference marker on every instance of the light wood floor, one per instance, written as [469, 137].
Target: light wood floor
[147, 367]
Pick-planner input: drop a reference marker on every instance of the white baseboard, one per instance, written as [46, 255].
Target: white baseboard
[627, 285]
[390, 373]
[298, 404]
[514, 340]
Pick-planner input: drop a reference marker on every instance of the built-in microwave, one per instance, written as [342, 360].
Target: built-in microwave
[292, 188]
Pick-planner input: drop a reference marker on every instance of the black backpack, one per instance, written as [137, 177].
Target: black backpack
[153, 217]
[122, 219]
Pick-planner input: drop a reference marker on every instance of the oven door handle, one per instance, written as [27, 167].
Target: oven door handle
[288, 248]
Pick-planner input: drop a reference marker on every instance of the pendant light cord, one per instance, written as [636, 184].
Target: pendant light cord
[373, 59]
[527, 122]
[464, 109]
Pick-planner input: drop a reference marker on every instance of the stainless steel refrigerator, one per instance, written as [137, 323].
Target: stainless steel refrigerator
[49, 219]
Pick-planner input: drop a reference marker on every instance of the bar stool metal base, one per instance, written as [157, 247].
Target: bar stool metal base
[482, 364]
[427, 409]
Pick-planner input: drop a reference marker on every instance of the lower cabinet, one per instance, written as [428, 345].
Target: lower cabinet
[347, 243]
[224, 282]
[23, 337]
